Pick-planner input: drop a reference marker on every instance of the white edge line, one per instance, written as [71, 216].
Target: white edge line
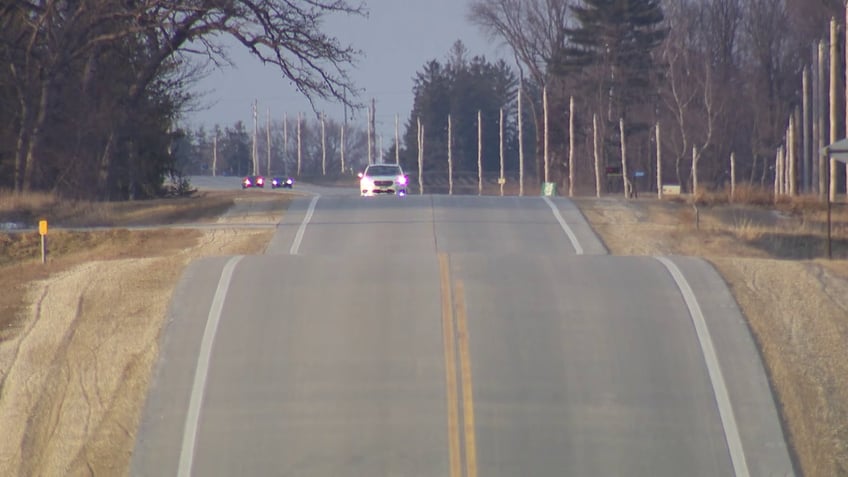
[302, 229]
[200, 374]
[725, 408]
[562, 223]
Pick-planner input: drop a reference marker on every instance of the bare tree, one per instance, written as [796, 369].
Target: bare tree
[55, 39]
[535, 31]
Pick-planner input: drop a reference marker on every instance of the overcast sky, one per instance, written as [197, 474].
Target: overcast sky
[397, 38]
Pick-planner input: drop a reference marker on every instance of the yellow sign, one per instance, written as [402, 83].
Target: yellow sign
[42, 227]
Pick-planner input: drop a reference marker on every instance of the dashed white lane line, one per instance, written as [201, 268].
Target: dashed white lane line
[562, 223]
[298, 238]
[725, 408]
[201, 372]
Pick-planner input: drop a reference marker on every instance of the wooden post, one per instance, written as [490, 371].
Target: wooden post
[370, 137]
[520, 147]
[323, 146]
[215, 154]
[834, 75]
[805, 129]
[659, 164]
[694, 172]
[299, 145]
[254, 153]
[479, 152]
[420, 157]
[450, 155]
[822, 162]
[732, 176]
[776, 175]
[342, 147]
[781, 170]
[597, 156]
[397, 140]
[268, 138]
[792, 158]
[501, 178]
[624, 176]
[571, 146]
[547, 142]
[286, 143]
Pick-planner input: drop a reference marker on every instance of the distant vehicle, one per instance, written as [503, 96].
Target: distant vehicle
[253, 181]
[383, 179]
[285, 183]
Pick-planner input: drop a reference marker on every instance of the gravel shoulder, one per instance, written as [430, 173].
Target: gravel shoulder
[74, 369]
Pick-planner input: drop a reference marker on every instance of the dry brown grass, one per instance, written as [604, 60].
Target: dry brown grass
[795, 301]
[98, 303]
[29, 208]
[20, 252]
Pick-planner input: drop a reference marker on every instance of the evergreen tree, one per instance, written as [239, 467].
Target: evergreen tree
[460, 88]
[611, 50]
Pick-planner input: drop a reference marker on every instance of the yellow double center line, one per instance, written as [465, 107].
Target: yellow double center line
[455, 335]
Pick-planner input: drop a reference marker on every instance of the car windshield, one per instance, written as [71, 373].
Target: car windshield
[382, 171]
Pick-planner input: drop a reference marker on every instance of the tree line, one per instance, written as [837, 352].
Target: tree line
[719, 77]
[91, 90]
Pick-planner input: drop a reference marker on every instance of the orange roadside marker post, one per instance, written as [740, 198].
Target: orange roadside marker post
[42, 230]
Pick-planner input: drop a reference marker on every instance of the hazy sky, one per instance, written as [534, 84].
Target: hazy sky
[397, 38]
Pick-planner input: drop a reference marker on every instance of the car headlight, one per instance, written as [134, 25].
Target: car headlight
[401, 180]
[366, 183]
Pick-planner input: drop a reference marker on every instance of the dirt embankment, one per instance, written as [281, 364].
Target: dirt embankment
[74, 368]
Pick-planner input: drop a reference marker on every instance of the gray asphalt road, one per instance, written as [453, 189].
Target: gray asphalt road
[455, 336]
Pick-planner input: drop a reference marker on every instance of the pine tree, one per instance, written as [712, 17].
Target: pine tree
[612, 49]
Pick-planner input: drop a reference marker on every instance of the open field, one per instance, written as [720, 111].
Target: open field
[79, 335]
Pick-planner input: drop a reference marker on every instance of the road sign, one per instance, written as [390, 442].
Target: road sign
[42, 227]
[502, 180]
[639, 174]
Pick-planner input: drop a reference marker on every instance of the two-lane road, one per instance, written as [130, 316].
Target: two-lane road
[447, 336]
